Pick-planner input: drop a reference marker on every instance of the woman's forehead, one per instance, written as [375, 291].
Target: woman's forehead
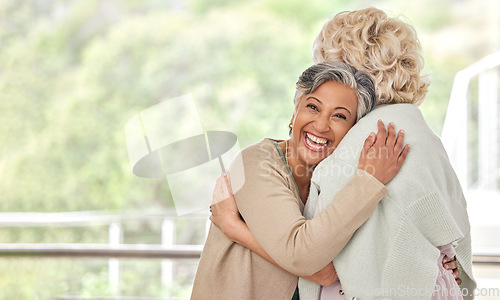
[333, 93]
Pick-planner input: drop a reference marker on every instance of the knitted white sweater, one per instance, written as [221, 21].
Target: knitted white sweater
[393, 254]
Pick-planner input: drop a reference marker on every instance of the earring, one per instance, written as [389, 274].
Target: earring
[290, 126]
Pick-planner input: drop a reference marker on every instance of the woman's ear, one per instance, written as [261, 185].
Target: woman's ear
[292, 120]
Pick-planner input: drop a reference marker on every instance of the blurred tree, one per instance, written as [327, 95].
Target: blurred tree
[83, 79]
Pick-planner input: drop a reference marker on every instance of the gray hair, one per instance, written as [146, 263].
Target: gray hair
[340, 72]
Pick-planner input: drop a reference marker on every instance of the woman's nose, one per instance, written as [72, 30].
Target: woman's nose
[321, 124]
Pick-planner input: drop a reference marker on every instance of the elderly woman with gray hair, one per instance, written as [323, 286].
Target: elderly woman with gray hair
[279, 244]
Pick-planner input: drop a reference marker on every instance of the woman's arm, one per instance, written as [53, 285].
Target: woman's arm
[326, 276]
[225, 215]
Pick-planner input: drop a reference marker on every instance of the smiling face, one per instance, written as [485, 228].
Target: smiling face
[321, 120]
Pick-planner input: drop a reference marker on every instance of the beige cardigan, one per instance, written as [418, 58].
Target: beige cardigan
[270, 205]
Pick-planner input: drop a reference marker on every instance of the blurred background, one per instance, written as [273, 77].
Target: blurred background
[75, 223]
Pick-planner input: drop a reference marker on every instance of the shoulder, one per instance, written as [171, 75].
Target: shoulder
[258, 155]
[259, 160]
[403, 113]
[262, 149]
[407, 117]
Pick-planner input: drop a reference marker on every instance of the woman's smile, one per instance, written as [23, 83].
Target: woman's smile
[315, 143]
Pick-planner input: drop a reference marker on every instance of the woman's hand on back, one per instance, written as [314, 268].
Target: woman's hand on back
[383, 153]
[224, 211]
[451, 264]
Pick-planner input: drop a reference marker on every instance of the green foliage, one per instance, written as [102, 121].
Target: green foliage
[95, 284]
[90, 86]
[428, 15]
[51, 278]
[73, 73]
[40, 279]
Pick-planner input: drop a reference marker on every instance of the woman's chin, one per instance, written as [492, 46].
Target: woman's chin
[312, 158]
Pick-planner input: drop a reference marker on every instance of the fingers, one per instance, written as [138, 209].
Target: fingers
[382, 132]
[391, 137]
[403, 155]
[393, 142]
[226, 178]
[227, 191]
[216, 192]
[398, 146]
[214, 221]
[370, 140]
[226, 187]
[452, 265]
[456, 273]
[384, 153]
[222, 190]
[447, 259]
[450, 261]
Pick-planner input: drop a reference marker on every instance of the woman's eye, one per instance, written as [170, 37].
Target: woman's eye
[312, 106]
[340, 116]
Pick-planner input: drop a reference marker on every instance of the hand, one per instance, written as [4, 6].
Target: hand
[225, 213]
[452, 265]
[383, 154]
[325, 277]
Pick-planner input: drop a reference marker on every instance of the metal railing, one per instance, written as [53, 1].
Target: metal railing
[114, 221]
[115, 249]
[167, 252]
[100, 250]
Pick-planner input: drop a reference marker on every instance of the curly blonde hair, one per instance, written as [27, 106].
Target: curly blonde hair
[386, 48]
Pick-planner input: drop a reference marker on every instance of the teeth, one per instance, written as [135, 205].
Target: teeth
[316, 143]
[317, 139]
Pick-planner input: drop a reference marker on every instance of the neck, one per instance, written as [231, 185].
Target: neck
[301, 173]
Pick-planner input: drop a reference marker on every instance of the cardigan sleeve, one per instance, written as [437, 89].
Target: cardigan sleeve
[271, 210]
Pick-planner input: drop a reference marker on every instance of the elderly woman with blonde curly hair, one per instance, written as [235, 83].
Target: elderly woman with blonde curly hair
[402, 250]
[386, 48]
[424, 216]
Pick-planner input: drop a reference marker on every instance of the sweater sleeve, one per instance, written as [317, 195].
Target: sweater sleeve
[273, 213]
